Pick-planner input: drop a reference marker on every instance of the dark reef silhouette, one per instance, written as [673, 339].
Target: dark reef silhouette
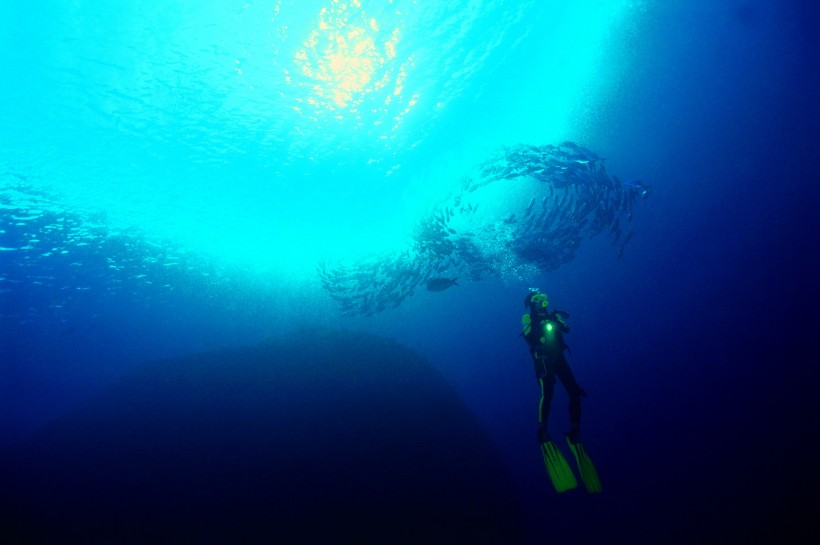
[325, 436]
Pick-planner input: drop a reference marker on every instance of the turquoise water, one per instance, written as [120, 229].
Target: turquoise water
[270, 134]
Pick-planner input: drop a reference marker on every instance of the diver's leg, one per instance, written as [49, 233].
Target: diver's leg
[575, 393]
[546, 380]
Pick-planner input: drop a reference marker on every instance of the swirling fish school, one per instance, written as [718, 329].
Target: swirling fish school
[524, 211]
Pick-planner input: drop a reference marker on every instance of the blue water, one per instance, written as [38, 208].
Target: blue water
[172, 175]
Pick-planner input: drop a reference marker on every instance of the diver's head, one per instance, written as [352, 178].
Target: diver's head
[536, 302]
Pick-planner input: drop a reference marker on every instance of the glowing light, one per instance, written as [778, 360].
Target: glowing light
[347, 57]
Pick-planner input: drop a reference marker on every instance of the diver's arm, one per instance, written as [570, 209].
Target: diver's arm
[559, 317]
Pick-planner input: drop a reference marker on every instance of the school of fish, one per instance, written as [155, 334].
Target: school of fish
[523, 212]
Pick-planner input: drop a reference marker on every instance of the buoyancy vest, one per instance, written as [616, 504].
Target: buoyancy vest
[545, 333]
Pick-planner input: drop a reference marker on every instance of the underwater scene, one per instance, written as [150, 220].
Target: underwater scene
[409, 271]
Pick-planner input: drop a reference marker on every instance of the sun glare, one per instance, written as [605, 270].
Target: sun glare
[348, 58]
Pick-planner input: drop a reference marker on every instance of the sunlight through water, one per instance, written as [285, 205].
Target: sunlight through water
[271, 135]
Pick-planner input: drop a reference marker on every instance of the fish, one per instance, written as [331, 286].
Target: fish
[578, 200]
[641, 189]
[529, 207]
[441, 284]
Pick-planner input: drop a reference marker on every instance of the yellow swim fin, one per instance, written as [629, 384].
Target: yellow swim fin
[588, 473]
[557, 467]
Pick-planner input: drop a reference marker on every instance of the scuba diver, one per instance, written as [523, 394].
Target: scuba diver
[544, 332]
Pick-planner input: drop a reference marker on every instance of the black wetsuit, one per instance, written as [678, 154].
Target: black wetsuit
[547, 346]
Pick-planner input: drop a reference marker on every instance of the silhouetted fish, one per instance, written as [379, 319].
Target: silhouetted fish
[440, 284]
[643, 190]
[579, 199]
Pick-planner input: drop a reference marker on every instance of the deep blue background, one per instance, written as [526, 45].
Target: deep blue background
[697, 347]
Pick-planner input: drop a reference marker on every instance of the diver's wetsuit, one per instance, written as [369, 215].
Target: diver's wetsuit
[546, 340]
